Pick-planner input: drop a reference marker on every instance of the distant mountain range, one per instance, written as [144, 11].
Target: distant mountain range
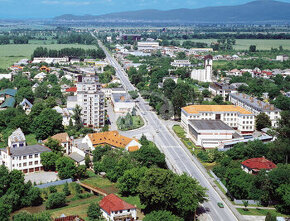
[256, 11]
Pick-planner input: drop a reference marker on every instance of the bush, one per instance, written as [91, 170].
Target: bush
[55, 200]
[52, 189]
[66, 190]
[94, 212]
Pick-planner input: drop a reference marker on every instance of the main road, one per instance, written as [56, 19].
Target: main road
[176, 156]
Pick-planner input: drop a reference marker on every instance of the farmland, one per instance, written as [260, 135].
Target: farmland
[244, 44]
[14, 52]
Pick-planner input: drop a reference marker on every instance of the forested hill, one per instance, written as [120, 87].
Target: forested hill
[256, 11]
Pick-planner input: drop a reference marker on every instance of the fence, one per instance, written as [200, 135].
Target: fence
[55, 183]
[252, 202]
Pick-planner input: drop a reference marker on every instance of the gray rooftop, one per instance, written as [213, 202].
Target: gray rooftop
[121, 97]
[209, 125]
[254, 102]
[27, 150]
[76, 157]
[72, 98]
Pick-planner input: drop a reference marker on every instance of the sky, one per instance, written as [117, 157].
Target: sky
[51, 8]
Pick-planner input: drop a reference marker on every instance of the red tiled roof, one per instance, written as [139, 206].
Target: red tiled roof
[71, 89]
[69, 218]
[113, 203]
[259, 164]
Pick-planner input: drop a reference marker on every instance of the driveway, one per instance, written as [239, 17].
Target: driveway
[41, 177]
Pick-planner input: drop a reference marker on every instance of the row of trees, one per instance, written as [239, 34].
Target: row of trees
[76, 38]
[70, 52]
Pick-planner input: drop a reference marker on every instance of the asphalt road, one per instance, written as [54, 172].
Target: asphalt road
[177, 158]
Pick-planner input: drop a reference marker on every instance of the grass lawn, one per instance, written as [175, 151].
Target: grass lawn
[137, 123]
[181, 134]
[262, 44]
[102, 183]
[14, 52]
[258, 212]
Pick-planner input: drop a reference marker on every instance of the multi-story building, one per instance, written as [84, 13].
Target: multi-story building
[21, 157]
[90, 98]
[236, 117]
[148, 46]
[221, 89]
[181, 63]
[256, 106]
[204, 75]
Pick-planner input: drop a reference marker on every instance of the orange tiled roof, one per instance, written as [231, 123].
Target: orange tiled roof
[112, 138]
[133, 148]
[195, 109]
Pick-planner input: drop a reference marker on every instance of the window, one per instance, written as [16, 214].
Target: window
[19, 165]
[36, 155]
[36, 162]
[30, 156]
[30, 163]
[24, 164]
[128, 210]
[24, 157]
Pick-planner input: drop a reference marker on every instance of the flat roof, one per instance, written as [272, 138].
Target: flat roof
[209, 125]
[195, 109]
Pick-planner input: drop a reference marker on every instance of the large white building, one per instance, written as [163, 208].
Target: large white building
[90, 98]
[236, 117]
[256, 106]
[204, 75]
[148, 46]
[209, 133]
[21, 157]
[181, 63]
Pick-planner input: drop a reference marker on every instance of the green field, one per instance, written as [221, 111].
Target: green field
[12, 53]
[258, 212]
[244, 44]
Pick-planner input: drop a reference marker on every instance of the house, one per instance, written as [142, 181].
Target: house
[36, 85]
[254, 165]
[44, 68]
[209, 133]
[148, 46]
[71, 90]
[6, 76]
[66, 115]
[282, 58]
[26, 105]
[122, 102]
[114, 208]
[181, 63]
[236, 117]
[256, 106]
[7, 98]
[63, 87]
[40, 76]
[112, 138]
[63, 139]
[68, 218]
[221, 89]
[21, 157]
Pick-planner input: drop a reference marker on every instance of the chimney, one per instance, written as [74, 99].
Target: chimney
[8, 151]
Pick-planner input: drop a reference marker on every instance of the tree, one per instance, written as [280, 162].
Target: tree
[99, 152]
[168, 87]
[245, 203]
[41, 91]
[87, 161]
[94, 212]
[54, 145]
[262, 121]
[181, 55]
[48, 160]
[218, 99]
[23, 216]
[48, 123]
[5, 210]
[81, 172]
[206, 93]
[161, 215]
[77, 117]
[24, 92]
[150, 155]
[284, 198]
[78, 188]
[55, 200]
[52, 189]
[252, 48]
[66, 168]
[66, 190]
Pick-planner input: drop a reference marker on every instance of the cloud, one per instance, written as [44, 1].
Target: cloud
[47, 2]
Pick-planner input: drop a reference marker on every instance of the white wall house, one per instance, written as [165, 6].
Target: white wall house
[21, 157]
[122, 102]
[115, 209]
